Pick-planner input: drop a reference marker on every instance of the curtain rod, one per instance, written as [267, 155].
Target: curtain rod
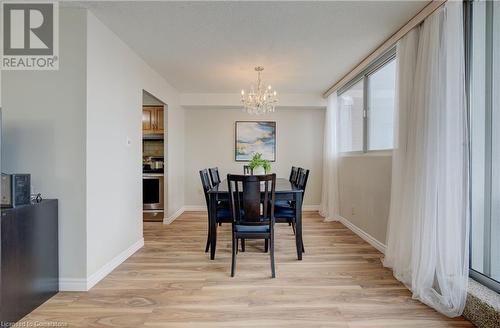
[417, 19]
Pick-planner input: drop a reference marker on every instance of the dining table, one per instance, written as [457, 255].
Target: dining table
[284, 190]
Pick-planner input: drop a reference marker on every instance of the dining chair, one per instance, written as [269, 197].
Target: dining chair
[285, 213]
[250, 221]
[293, 174]
[214, 175]
[247, 170]
[223, 215]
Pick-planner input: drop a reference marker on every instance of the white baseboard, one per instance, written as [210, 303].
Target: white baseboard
[170, 219]
[310, 208]
[364, 235]
[195, 208]
[71, 284]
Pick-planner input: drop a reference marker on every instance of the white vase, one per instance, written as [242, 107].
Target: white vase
[259, 170]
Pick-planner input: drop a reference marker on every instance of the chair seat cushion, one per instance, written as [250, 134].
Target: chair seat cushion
[284, 212]
[224, 213]
[283, 203]
[252, 228]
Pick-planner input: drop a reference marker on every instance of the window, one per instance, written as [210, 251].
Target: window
[351, 119]
[367, 108]
[381, 92]
[484, 67]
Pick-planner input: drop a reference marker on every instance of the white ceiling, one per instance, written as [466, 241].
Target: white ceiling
[212, 47]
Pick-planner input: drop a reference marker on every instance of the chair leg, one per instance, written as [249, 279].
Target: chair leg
[273, 272]
[207, 247]
[242, 245]
[293, 227]
[233, 262]
[289, 223]
[220, 224]
[266, 245]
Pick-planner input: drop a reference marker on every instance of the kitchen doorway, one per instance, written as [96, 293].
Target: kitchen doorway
[154, 159]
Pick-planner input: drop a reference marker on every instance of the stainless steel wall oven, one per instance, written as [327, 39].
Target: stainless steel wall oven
[153, 191]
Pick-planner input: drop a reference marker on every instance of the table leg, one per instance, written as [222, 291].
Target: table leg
[213, 224]
[298, 228]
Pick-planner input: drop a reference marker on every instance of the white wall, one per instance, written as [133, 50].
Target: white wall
[365, 192]
[43, 133]
[209, 142]
[116, 77]
[69, 127]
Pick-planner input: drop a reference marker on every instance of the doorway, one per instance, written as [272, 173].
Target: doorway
[154, 160]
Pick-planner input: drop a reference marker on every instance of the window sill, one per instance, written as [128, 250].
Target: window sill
[387, 152]
[483, 305]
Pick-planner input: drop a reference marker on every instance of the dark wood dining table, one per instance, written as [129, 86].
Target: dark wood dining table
[285, 190]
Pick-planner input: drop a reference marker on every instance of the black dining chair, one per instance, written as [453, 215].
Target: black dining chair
[294, 172]
[215, 179]
[250, 221]
[214, 175]
[223, 214]
[285, 213]
[247, 170]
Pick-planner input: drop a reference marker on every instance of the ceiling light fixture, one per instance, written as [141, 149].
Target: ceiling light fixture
[260, 100]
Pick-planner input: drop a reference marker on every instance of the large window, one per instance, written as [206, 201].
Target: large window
[367, 108]
[351, 118]
[484, 65]
[381, 92]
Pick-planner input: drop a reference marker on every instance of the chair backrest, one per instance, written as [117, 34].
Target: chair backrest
[302, 177]
[247, 170]
[205, 182]
[246, 193]
[214, 175]
[294, 172]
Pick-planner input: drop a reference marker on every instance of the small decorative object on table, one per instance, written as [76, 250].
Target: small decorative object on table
[257, 162]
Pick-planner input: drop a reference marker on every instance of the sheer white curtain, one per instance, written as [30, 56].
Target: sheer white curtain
[427, 245]
[329, 207]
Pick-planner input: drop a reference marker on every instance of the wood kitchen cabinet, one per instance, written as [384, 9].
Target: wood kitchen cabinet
[152, 120]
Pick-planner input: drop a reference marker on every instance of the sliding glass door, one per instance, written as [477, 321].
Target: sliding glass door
[485, 142]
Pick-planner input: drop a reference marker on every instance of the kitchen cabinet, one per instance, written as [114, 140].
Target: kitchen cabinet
[152, 120]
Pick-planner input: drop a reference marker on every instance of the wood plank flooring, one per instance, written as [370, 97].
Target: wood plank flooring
[172, 283]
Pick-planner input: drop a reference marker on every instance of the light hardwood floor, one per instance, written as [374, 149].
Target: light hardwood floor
[172, 283]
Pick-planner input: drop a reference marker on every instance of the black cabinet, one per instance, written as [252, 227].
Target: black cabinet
[29, 273]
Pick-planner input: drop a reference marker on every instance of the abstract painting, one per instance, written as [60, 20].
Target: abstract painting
[255, 137]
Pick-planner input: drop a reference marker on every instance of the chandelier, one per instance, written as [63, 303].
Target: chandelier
[261, 100]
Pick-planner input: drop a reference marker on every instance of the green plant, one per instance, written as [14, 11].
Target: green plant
[257, 161]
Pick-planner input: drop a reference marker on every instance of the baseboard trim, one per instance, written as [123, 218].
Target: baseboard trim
[363, 234]
[115, 262]
[71, 284]
[310, 208]
[195, 208]
[170, 219]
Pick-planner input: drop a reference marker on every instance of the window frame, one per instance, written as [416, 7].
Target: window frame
[469, 43]
[364, 75]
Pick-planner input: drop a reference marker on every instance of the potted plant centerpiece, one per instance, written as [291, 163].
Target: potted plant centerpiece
[258, 165]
